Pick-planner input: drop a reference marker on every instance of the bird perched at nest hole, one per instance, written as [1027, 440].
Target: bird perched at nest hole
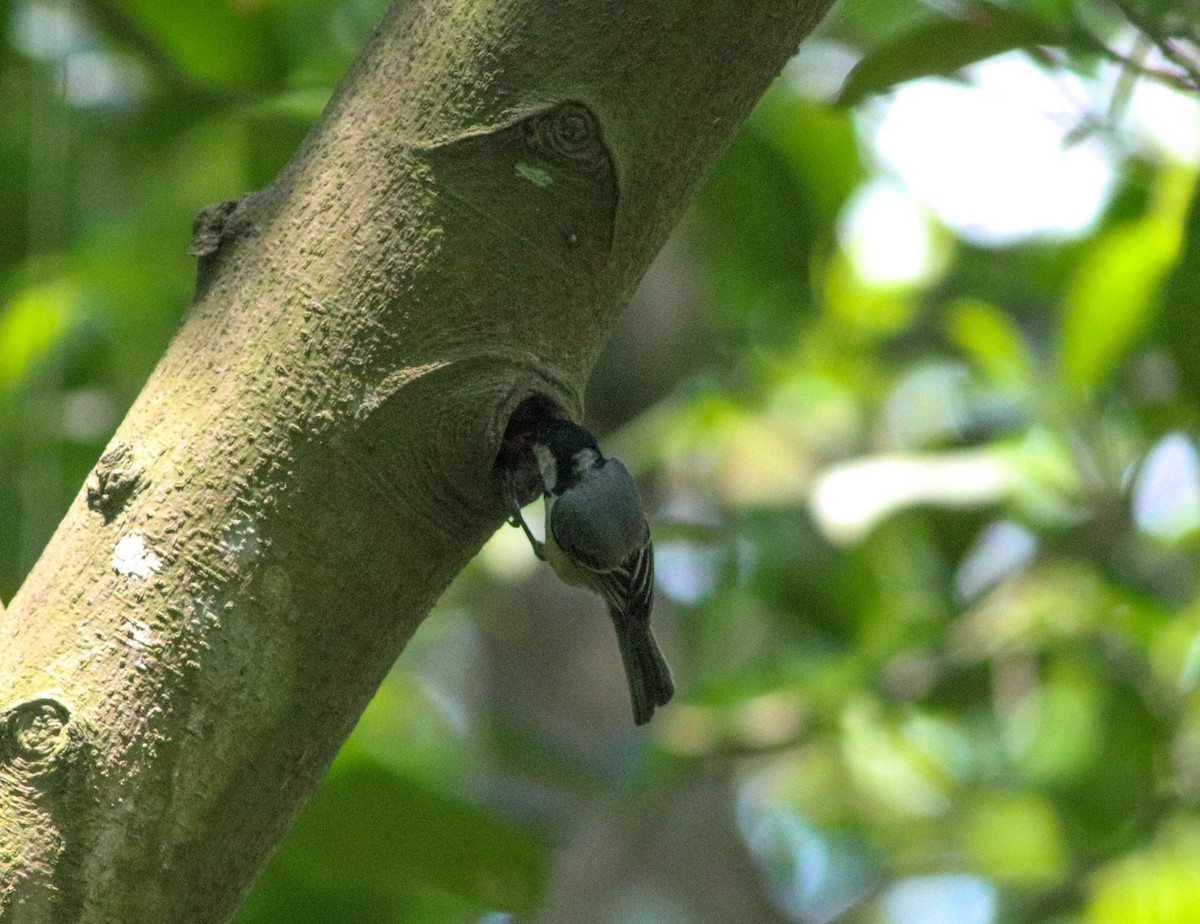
[597, 537]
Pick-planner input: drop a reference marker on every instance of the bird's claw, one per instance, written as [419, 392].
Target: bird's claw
[516, 519]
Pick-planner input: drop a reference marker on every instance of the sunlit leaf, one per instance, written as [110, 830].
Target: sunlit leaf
[1016, 838]
[851, 499]
[1032, 610]
[891, 239]
[32, 323]
[991, 340]
[1157, 886]
[1112, 298]
[897, 773]
[864, 309]
[1179, 330]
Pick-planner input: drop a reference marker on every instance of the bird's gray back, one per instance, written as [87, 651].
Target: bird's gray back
[600, 521]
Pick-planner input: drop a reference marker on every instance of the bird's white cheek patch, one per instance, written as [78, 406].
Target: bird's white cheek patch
[132, 559]
[547, 465]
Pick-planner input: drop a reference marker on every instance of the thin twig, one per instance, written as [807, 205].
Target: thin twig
[1162, 42]
[1173, 79]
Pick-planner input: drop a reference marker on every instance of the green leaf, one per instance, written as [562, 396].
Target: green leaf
[862, 309]
[942, 46]
[32, 323]
[1155, 886]
[820, 144]
[373, 838]
[303, 105]
[757, 229]
[1179, 330]
[1112, 297]
[1016, 838]
[222, 42]
[765, 211]
[989, 337]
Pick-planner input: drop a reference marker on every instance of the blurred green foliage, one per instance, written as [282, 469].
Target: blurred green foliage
[927, 541]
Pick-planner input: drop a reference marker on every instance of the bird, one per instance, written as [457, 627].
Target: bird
[597, 537]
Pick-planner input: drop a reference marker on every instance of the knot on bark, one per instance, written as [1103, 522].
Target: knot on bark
[547, 183]
[569, 134]
[33, 732]
[46, 810]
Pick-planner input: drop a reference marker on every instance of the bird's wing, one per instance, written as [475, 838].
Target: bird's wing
[629, 590]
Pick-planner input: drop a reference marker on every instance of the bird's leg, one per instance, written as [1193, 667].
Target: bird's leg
[539, 548]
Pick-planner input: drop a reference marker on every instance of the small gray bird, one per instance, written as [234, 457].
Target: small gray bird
[597, 537]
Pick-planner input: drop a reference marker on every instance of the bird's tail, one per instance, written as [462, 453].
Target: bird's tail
[650, 683]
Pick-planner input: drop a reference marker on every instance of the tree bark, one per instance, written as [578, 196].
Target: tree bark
[311, 462]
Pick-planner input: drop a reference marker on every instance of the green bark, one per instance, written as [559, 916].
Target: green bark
[310, 464]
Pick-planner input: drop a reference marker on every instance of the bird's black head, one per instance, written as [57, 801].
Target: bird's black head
[564, 451]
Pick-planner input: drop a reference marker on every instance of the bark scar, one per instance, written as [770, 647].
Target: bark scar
[214, 227]
[209, 227]
[116, 479]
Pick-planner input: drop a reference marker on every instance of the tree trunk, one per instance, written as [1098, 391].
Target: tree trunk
[310, 464]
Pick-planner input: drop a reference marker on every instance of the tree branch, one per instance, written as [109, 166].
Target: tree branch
[1163, 42]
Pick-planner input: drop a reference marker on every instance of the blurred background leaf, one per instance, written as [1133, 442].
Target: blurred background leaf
[941, 46]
